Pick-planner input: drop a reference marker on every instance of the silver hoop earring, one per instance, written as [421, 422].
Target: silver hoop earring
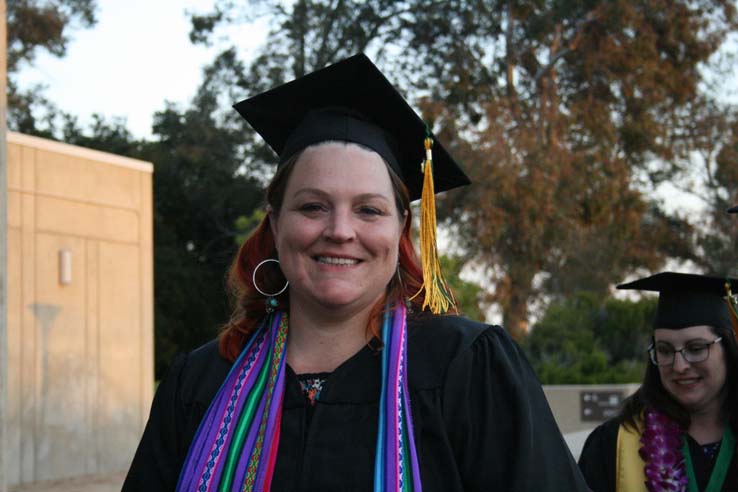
[271, 301]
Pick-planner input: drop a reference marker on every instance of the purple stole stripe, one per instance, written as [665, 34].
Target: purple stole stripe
[394, 432]
[414, 465]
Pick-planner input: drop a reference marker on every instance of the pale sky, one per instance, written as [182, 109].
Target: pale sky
[135, 58]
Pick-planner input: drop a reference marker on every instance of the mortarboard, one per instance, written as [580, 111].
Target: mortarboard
[690, 300]
[352, 101]
[733, 210]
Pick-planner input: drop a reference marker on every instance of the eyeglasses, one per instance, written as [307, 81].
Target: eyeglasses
[664, 354]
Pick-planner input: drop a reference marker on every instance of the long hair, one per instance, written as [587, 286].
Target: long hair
[249, 307]
[653, 394]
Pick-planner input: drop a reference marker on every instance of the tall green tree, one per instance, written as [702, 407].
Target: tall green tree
[200, 190]
[558, 109]
[584, 339]
[577, 101]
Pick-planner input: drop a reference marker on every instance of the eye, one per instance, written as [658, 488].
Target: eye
[665, 350]
[696, 348]
[311, 207]
[369, 210]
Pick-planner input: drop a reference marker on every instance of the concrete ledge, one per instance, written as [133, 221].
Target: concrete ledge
[91, 483]
[77, 151]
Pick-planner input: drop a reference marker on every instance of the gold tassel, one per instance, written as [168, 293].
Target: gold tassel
[732, 301]
[438, 297]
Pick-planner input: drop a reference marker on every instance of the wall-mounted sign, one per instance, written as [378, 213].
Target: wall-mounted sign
[596, 406]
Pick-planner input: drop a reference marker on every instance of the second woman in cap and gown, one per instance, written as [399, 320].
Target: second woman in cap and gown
[677, 432]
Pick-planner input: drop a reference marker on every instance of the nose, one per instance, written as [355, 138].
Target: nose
[340, 227]
[680, 363]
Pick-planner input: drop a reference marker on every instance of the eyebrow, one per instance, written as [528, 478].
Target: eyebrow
[324, 194]
[691, 340]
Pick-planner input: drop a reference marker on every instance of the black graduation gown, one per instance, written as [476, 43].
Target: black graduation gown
[597, 461]
[480, 418]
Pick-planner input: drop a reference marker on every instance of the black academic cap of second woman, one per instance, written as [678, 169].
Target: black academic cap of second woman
[687, 299]
[350, 101]
[733, 210]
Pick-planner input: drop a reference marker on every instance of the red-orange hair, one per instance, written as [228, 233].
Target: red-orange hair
[249, 306]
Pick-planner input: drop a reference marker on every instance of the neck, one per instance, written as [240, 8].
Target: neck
[321, 340]
[706, 426]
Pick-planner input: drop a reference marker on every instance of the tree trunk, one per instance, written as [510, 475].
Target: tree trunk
[515, 304]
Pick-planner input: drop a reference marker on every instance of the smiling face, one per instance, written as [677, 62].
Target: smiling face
[338, 228]
[696, 386]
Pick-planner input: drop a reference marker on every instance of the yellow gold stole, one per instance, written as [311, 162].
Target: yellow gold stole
[629, 475]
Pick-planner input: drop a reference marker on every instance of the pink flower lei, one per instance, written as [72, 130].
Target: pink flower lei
[662, 451]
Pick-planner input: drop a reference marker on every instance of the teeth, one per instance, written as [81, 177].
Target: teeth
[336, 261]
[686, 381]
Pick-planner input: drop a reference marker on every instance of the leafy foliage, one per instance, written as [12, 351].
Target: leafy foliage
[469, 295]
[577, 99]
[557, 108]
[37, 24]
[245, 225]
[33, 26]
[584, 340]
[201, 187]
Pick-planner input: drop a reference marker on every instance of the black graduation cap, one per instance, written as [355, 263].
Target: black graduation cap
[687, 299]
[733, 210]
[350, 101]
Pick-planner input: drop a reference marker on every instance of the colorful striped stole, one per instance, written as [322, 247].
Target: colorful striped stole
[235, 447]
[396, 462]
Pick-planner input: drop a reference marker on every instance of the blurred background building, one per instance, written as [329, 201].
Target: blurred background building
[80, 309]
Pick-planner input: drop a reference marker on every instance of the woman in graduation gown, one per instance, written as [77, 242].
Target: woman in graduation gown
[677, 431]
[332, 374]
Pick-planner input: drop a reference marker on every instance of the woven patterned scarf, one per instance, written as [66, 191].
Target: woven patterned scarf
[396, 462]
[235, 448]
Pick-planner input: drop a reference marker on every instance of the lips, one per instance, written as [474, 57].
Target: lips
[686, 381]
[336, 260]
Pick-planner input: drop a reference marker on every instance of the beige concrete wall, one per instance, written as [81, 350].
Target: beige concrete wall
[80, 355]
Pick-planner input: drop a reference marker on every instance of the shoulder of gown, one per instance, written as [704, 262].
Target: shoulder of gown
[598, 457]
[498, 420]
[433, 342]
[181, 400]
